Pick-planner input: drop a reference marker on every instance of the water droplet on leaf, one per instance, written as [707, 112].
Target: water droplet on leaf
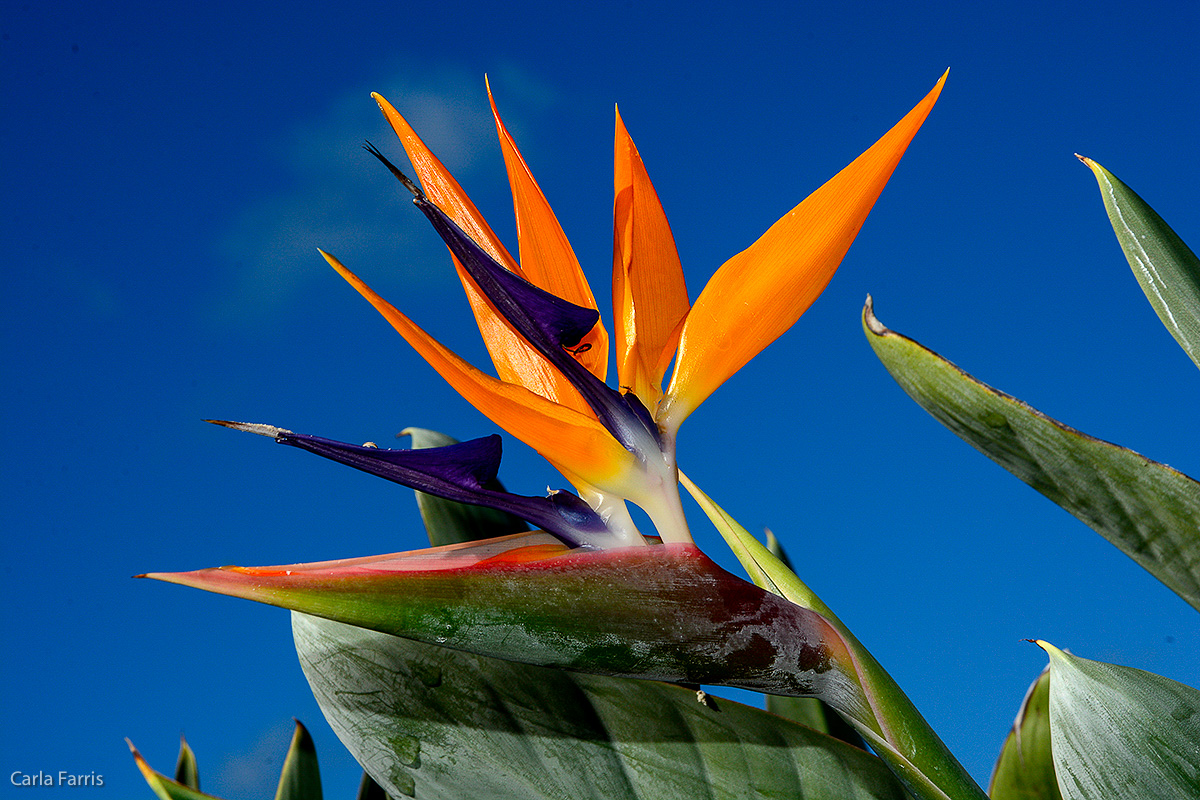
[404, 783]
[407, 750]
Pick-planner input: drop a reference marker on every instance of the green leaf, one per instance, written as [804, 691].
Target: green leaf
[1148, 510]
[1166, 268]
[448, 522]
[436, 723]
[186, 770]
[164, 787]
[1025, 769]
[300, 779]
[1120, 733]
[368, 789]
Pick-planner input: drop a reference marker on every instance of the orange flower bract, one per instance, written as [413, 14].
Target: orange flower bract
[750, 301]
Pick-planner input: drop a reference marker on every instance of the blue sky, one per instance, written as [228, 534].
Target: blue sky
[170, 172]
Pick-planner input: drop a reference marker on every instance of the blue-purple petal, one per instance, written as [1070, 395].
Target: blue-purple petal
[549, 323]
[461, 472]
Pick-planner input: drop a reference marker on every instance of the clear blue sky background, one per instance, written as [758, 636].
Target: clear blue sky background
[168, 172]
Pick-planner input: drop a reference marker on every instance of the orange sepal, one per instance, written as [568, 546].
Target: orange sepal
[515, 360]
[649, 294]
[546, 256]
[441, 187]
[562, 435]
[761, 292]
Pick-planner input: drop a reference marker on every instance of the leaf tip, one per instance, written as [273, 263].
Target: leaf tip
[1050, 649]
[302, 739]
[146, 770]
[1090, 164]
[870, 321]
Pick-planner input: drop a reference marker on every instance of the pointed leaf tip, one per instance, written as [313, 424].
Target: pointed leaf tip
[870, 321]
[300, 778]
[1147, 509]
[1166, 269]
[164, 787]
[187, 772]
[1024, 769]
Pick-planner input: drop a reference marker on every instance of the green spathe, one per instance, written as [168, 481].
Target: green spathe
[664, 612]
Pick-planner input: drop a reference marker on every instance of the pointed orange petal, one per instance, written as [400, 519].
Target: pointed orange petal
[761, 292]
[546, 256]
[562, 435]
[515, 360]
[649, 295]
[441, 187]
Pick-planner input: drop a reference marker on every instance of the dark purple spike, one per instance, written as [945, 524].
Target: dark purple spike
[462, 468]
[549, 323]
[458, 472]
[541, 317]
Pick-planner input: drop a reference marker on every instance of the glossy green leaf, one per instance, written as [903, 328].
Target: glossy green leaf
[1149, 510]
[448, 522]
[300, 779]
[665, 612]
[436, 723]
[1025, 769]
[1120, 733]
[186, 770]
[1166, 268]
[165, 788]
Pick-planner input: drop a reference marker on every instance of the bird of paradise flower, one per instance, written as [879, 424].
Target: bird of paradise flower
[539, 321]
[584, 590]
